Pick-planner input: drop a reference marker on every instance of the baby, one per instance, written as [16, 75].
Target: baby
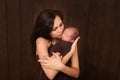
[63, 46]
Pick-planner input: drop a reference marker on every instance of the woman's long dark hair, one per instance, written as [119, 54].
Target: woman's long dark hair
[43, 26]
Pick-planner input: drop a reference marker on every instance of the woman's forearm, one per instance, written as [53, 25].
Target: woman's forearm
[53, 69]
[74, 69]
[71, 52]
[71, 71]
[67, 57]
[51, 73]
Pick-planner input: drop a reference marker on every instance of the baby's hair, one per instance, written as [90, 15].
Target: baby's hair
[75, 32]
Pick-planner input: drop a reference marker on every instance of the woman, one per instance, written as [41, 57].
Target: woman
[47, 31]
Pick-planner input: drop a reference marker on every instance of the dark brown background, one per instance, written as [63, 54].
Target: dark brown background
[99, 46]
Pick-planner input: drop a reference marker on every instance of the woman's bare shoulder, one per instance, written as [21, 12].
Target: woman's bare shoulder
[42, 46]
[42, 41]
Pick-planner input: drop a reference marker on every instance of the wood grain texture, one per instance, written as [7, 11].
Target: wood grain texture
[97, 20]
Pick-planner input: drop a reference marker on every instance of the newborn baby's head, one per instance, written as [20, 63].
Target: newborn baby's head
[70, 34]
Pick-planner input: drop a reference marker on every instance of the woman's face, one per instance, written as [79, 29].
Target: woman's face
[58, 28]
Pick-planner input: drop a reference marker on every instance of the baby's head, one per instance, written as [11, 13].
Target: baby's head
[70, 34]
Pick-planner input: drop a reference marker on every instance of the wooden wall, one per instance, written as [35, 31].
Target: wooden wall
[99, 46]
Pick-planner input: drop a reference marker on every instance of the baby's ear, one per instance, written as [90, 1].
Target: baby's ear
[72, 40]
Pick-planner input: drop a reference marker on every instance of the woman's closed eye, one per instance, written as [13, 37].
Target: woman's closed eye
[55, 29]
[61, 24]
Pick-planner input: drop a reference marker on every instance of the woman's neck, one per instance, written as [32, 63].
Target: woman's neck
[54, 41]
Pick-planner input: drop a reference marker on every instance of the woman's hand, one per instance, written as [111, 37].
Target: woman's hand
[53, 62]
[74, 45]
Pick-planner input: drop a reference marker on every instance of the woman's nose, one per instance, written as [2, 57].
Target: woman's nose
[61, 29]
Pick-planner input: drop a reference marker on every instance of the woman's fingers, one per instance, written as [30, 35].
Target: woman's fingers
[61, 57]
[47, 58]
[57, 55]
[42, 61]
[76, 40]
[74, 45]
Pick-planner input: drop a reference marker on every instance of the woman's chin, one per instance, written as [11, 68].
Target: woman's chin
[59, 36]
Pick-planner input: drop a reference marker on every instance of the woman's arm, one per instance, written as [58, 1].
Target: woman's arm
[42, 52]
[57, 64]
[71, 52]
[74, 69]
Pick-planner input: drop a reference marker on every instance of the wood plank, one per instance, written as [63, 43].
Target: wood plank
[116, 47]
[3, 42]
[14, 45]
[100, 37]
[28, 67]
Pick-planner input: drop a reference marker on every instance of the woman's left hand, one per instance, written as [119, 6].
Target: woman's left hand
[52, 62]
